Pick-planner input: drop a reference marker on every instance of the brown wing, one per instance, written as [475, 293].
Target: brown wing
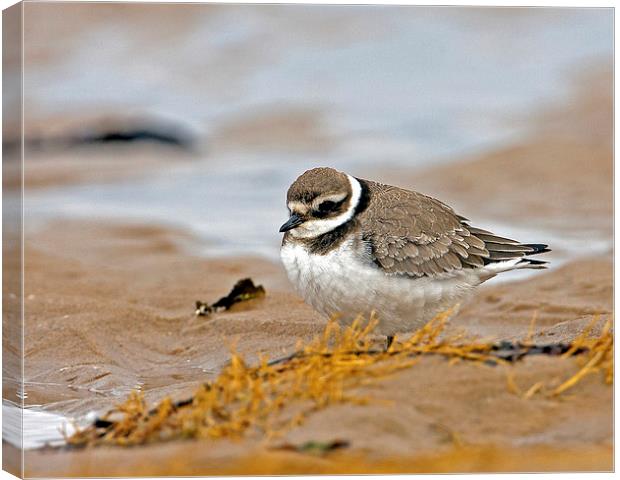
[415, 235]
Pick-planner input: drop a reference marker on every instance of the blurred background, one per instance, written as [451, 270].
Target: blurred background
[200, 116]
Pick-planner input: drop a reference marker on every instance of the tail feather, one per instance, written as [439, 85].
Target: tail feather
[495, 267]
[531, 263]
[504, 253]
[537, 248]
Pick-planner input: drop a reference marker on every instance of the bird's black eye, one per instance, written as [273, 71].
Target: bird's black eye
[327, 206]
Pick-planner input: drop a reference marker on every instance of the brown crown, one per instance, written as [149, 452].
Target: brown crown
[315, 182]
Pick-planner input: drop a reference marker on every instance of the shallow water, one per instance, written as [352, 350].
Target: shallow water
[238, 212]
[395, 86]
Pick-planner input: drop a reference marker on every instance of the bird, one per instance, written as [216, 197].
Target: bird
[356, 247]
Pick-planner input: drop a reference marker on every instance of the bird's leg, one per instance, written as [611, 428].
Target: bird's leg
[388, 342]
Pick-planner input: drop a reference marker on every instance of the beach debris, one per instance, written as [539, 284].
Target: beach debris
[594, 354]
[243, 291]
[514, 351]
[314, 447]
[202, 309]
[104, 130]
[599, 356]
[139, 133]
[499, 353]
[326, 371]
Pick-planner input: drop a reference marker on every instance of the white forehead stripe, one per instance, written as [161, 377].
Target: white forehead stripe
[297, 207]
[337, 197]
[315, 228]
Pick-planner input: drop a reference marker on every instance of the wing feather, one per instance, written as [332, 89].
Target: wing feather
[414, 235]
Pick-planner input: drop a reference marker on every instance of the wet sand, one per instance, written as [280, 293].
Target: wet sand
[119, 315]
[109, 308]
[47, 169]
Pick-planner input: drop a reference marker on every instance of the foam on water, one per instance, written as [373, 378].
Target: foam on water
[30, 428]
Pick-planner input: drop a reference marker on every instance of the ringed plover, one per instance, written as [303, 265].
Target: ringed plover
[354, 246]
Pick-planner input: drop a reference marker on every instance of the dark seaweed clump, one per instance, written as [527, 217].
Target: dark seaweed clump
[243, 291]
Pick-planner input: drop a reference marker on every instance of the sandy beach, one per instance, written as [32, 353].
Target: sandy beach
[115, 320]
[118, 316]
[110, 293]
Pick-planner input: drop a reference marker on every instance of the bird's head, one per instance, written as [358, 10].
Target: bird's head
[319, 201]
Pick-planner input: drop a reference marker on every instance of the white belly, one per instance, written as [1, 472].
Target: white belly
[340, 283]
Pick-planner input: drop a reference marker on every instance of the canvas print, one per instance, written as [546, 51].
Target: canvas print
[288, 239]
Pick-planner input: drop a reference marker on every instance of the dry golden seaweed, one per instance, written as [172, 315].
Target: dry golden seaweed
[272, 397]
[533, 390]
[512, 385]
[583, 336]
[600, 357]
[530, 331]
[595, 354]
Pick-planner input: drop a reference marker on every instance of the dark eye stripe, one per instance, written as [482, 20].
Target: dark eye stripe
[327, 207]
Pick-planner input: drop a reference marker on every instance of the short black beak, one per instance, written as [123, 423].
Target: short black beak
[294, 221]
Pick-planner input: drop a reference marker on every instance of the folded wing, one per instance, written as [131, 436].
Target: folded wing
[415, 235]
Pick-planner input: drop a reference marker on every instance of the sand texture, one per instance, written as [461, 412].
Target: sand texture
[119, 315]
